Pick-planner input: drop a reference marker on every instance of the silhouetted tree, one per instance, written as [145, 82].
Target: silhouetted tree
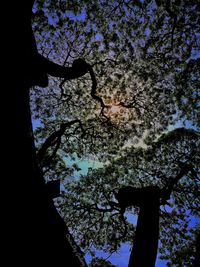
[38, 235]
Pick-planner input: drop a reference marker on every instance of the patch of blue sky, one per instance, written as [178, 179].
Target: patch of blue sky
[81, 16]
[196, 51]
[194, 222]
[121, 257]
[35, 124]
[147, 32]
[52, 20]
[98, 37]
[83, 164]
[182, 123]
[131, 218]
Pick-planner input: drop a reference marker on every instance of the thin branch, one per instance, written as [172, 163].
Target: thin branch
[93, 90]
[172, 33]
[64, 80]
[103, 61]
[165, 193]
[55, 139]
[103, 210]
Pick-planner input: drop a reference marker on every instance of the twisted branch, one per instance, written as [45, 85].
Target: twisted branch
[55, 139]
[93, 92]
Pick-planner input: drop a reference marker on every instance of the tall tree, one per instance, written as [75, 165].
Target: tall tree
[38, 234]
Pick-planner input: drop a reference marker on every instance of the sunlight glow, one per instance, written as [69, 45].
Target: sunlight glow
[115, 109]
[118, 113]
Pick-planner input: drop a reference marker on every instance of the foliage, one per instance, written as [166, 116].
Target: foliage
[91, 197]
[139, 50]
[187, 94]
[146, 60]
[100, 262]
[182, 246]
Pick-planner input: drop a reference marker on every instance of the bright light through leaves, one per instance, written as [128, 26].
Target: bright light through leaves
[114, 110]
[119, 114]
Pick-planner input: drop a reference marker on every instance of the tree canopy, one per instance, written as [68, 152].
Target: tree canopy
[91, 198]
[139, 51]
[142, 81]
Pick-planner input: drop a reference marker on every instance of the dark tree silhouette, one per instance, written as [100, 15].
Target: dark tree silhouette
[145, 246]
[148, 199]
[38, 234]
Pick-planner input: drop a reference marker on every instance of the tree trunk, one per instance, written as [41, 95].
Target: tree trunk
[197, 252]
[145, 246]
[38, 233]
[35, 234]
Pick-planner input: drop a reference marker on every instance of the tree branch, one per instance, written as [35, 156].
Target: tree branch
[55, 139]
[94, 95]
[165, 193]
[78, 69]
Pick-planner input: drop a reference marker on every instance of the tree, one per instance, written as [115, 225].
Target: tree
[138, 73]
[164, 174]
[40, 232]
